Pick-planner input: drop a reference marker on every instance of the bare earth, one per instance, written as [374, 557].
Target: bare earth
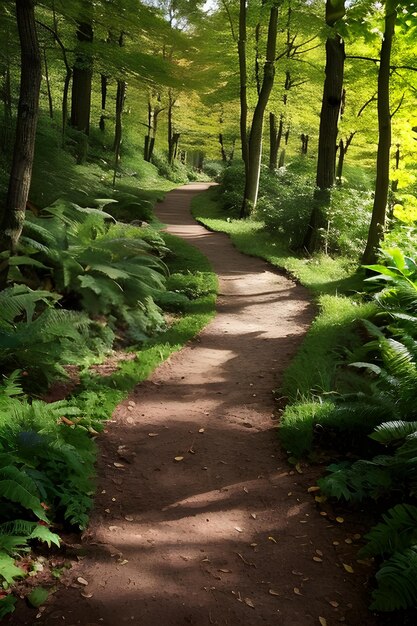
[227, 534]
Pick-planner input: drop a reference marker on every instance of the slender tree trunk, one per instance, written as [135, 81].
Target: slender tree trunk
[329, 119]
[81, 82]
[275, 135]
[103, 84]
[13, 215]
[171, 141]
[255, 138]
[241, 48]
[118, 133]
[48, 84]
[377, 226]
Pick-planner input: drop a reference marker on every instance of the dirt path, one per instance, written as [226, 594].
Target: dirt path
[228, 534]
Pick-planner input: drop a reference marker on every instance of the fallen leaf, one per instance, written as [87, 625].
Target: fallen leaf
[323, 513]
[201, 430]
[239, 530]
[272, 539]
[340, 520]
[336, 543]
[118, 465]
[313, 489]
[297, 591]
[128, 518]
[178, 458]
[153, 434]
[225, 571]
[245, 489]
[333, 603]
[273, 593]
[348, 568]
[82, 581]
[320, 499]
[107, 510]
[113, 528]
[253, 515]
[124, 562]
[323, 621]
[319, 552]
[249, 602]
[86, 595]
[253, 545]
[317, 559]
[298, 468]
[348, 540]
[357, 536]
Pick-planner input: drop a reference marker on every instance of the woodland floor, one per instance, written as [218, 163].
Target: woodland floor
[228, 534]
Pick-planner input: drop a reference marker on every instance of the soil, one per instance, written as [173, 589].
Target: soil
[199, 519]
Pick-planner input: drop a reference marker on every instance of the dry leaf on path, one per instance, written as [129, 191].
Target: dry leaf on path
[128, 518]
[249, 602]
[348, 568]
[297, 591]
[333, 603]
[253, 515]
[201, 430]
[273, 593]
[239, 529]
[313, 489]
[118, 465]
[153, 434]
[323, 621]
[82, 581]
[178, 458]
[340, 520]
[317, 559]
[272, 539]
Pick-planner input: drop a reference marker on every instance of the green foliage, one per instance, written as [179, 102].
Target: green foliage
[7, 605]
[38, 596]
[38, 338]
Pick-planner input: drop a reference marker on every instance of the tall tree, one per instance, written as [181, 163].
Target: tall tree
[82, 78]
[254, 154]
[329, 119]
[13, 216]
[377, 226]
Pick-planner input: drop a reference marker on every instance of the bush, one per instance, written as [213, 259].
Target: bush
[177, 172]
[214, 169]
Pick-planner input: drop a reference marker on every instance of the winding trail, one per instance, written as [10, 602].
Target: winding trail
[227, 535]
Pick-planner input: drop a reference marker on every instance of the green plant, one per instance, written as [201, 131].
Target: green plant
[38, 338]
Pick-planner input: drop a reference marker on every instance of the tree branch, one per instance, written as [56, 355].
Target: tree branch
[398, 107]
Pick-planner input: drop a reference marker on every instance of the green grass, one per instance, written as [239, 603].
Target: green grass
[321, 274]
[333, 282]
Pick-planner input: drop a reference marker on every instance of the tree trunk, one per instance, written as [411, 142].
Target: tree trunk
[274, 140]
[103, 84]
[48, 84]
[255, 137]
[81, 82]
[13, 215]
[241, 48]
[376, 228]
[118, 132]
[329, 118]
[170, 128]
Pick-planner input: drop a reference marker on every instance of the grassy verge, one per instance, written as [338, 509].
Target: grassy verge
[333, 283]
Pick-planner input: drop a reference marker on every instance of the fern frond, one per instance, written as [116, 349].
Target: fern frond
[397, 582]
[397, 532]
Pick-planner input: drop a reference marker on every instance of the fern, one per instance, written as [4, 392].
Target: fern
[8, 570]
[397, 582]
[392, 432]
[397, 532]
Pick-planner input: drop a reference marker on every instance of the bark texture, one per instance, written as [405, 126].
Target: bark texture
[329, 119]
[241, 48]
[81, 82]
[13, 215]
[255, 138]
[377, 226]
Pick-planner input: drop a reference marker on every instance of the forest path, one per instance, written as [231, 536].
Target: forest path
[227, 535]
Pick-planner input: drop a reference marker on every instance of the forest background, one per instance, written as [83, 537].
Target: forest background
[304, 111]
